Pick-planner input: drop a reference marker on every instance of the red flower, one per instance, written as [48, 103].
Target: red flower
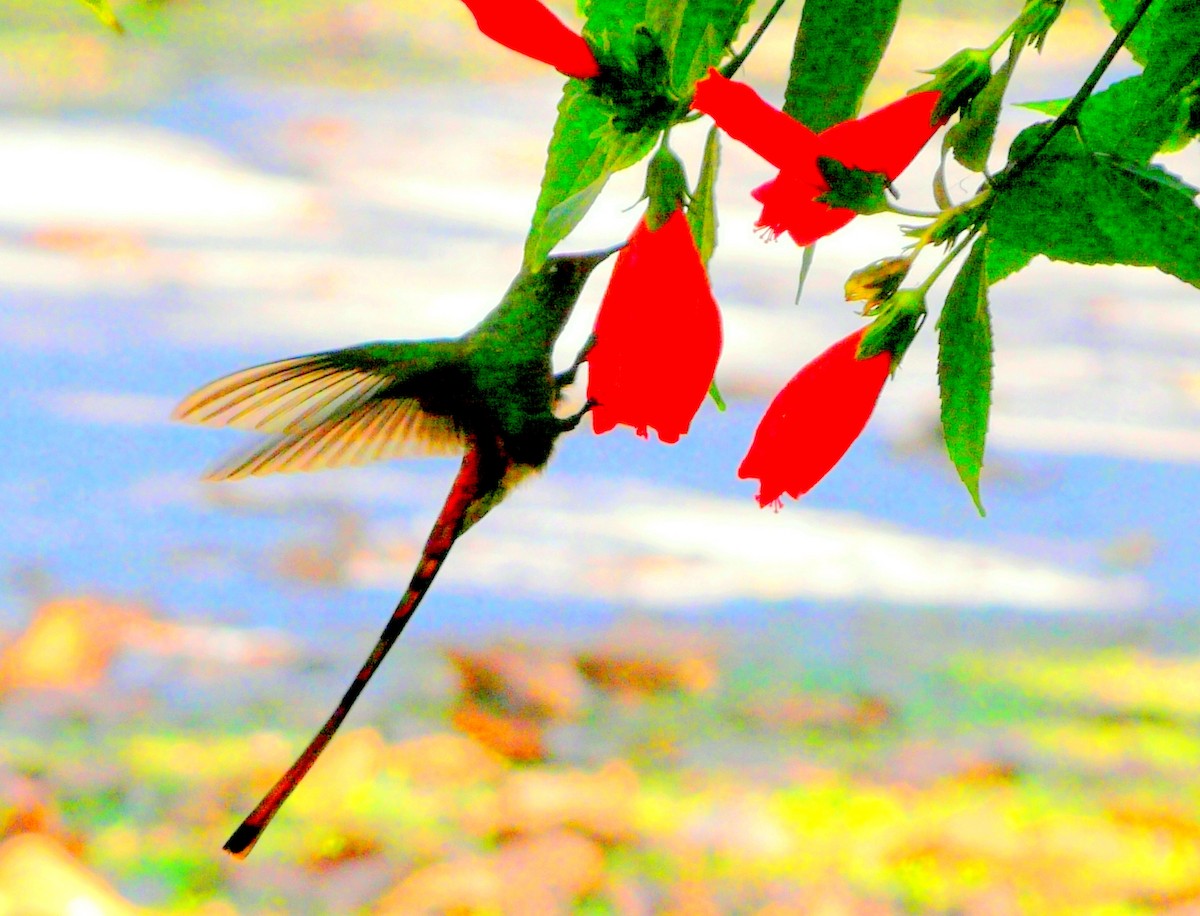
[527, 27]
[814, 420]
[657, 336]
[884, 141]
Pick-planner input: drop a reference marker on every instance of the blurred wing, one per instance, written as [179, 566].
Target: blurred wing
[379, 430]
[338, 408]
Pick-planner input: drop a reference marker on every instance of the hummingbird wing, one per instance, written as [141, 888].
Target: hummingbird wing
[343, 407]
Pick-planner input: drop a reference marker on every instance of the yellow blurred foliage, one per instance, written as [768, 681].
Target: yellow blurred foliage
[38, 877]
[544, 874]
[68, 645]
[446, 759]
[1117, 680]
[599, 804]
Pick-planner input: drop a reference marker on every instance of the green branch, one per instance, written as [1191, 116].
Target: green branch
[740, 58]
[1070, 115]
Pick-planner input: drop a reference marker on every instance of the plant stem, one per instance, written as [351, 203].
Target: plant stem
[740, 58]
[893, 207]
[1003, 37]
[937, 271]
[1070, 114]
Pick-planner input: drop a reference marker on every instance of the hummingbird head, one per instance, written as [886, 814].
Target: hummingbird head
[566, 273]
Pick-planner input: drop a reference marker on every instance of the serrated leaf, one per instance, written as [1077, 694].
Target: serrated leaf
[614, 17]
[971, 137]
[706, 30]
[104, 13]
[1052, 107]
[1173, 44]
[1004, 260]
[702, 211]
[566, 216]
[1118, 121]
[1172, 74]
[1118, 13]
[585, 149]
[1075, 204]
[838, 48]
[965, 368]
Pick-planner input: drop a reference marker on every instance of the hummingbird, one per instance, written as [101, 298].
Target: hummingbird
[488, 394]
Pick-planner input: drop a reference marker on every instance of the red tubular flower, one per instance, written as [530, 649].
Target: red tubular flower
[657, 336]
[884, 141]
[814, 420]
[527, 27]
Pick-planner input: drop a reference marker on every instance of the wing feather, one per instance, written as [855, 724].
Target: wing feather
[281, 397]
[403, 432]
[333, 409]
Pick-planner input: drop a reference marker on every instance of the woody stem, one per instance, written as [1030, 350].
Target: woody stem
[740, 58]
[1070, 114]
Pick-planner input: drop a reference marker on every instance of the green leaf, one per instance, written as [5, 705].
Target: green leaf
[1005, 259]
[1118, 120]
[971, 138]
[614, 18]
[1172, 75]
[702, 211]
[706, 30]
[1118, 13]
[1052, 107]
[837, 51]
[1075, 204]
[1172, 48]
[715, 393]
[585, 150]
[965, 368]
[104, 13]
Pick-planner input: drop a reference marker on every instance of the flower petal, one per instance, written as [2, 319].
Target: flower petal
[529, 28]
[657, 335]
[814, 420]
[742, 113]
[790, 205]
[886, 140]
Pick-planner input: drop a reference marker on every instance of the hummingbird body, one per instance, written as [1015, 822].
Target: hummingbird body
[489, 394]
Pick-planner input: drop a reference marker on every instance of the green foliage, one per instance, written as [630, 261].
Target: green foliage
[653, 53]
[585, 150]
[862, 192]
[1172, 73]
[612, 21]
[696, 34]
[1076, 204]
[702, 212]
[1005, 259]
[972, 136]
[1118, 121]
[838, 48]
[965, 368]
[1118, 13]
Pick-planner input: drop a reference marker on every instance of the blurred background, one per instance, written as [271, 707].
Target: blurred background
[630, 691]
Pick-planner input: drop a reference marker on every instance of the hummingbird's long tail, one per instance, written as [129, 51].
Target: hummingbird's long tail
[474, 482]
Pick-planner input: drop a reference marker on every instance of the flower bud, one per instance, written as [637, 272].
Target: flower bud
[959, 80]
[896, 324]
[878, 281]
[1036, 20]
[666, 186]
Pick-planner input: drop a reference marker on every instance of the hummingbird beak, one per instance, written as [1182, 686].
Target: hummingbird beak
[587, 261]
